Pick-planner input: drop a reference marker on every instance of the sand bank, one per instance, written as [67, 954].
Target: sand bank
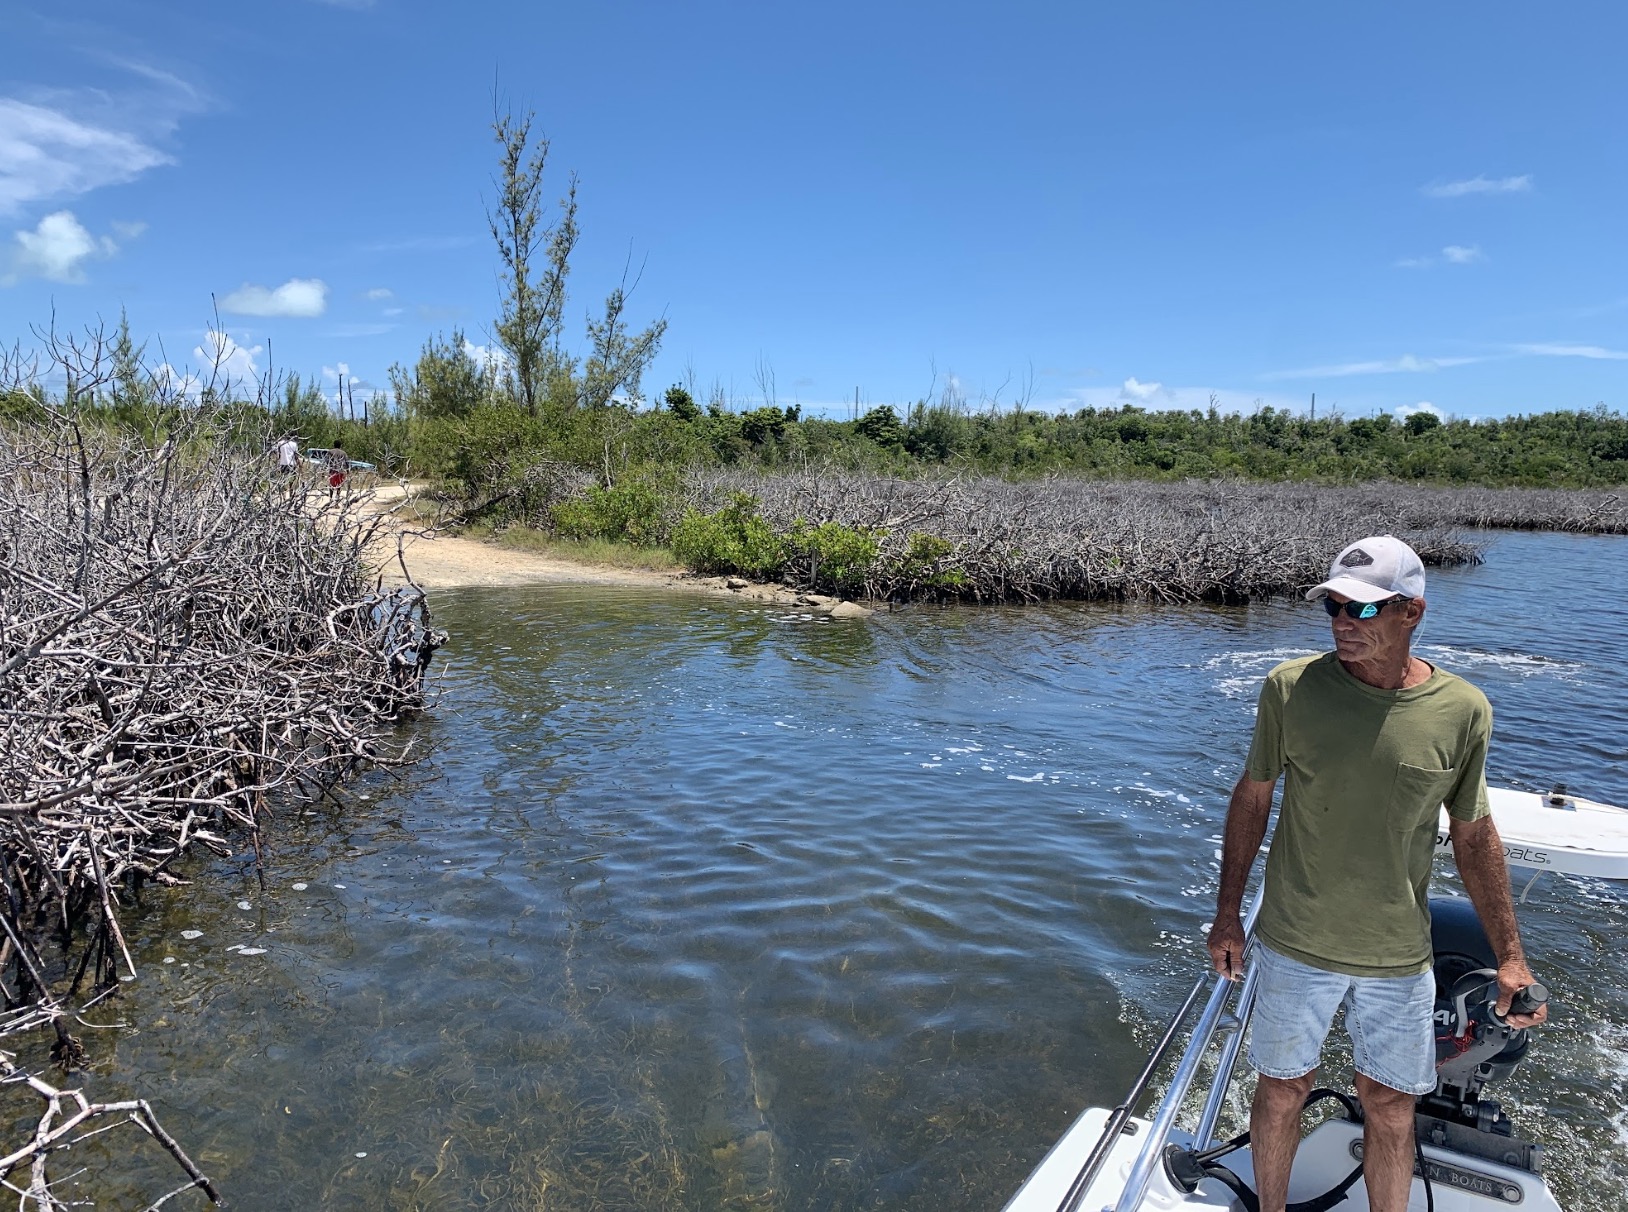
[449, 561]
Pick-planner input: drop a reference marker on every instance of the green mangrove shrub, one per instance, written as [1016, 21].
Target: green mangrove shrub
[927, 563]
[734, 539]
[631, 511]
[833, 556]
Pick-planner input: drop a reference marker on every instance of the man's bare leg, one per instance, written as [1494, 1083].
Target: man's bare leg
[1274, 1135]
[1387, 1145]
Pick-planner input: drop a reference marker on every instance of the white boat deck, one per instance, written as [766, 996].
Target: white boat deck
[1327, 1155]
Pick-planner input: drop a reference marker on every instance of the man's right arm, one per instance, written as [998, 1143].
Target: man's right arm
[1247, 814]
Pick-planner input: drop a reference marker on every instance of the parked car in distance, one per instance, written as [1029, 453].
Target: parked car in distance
[317, 456]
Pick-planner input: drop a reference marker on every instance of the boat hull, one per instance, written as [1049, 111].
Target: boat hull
[1578, 837]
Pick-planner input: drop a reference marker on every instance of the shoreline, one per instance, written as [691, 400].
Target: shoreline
[450, 561]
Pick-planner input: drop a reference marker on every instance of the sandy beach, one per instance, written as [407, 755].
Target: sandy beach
[450, 561]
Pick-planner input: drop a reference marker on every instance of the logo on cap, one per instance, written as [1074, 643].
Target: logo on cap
[1355, 558]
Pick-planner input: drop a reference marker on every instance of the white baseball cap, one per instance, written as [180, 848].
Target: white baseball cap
[1373, 569]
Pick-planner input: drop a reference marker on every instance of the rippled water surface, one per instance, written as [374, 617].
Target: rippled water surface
[700, 904]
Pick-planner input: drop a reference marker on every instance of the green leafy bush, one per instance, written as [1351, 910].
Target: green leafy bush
[629, 512]
[882, 426]
[1421, 423]
[760, 425]
[682, 404]
[832, 555]
[485, 452]
[925, 564]
[734, 539]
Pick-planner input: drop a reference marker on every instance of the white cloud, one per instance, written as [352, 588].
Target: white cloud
[379, 292]
[169, 80]
[1480, 185]
[223, 364]
[1404, 411]
[226, 361]
[1140, 392]
[128, 230]
[1453, 254]
[57, 249]
[1573, 351]
[177, 382]
[46, 154]
[488, 358]
[297, 297]
[393, 311]
[1407, 363]
[349, 388]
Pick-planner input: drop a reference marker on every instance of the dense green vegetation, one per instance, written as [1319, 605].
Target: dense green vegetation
[454, 421]
[475, 439]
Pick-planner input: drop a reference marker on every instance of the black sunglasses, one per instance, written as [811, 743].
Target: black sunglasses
[1359, 610]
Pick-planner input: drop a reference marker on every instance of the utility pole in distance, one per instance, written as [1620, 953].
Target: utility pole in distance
[1314, 406]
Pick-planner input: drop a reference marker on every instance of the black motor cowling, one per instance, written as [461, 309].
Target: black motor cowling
[1472, 1047]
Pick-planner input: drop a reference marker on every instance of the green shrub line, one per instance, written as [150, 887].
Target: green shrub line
[764, 492]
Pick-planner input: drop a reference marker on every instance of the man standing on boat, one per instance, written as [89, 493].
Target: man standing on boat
[1371, 742]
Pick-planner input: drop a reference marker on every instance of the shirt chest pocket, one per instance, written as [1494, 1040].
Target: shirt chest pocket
[1417, 795]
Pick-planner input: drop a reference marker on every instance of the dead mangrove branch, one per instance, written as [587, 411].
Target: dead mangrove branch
[989, 540]
[187, 640]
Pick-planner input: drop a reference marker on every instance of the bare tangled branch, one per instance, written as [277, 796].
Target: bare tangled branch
[184, 643]
[994, 540]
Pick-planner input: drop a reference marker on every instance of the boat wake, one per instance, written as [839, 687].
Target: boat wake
[1523, 664]
[1238, 674]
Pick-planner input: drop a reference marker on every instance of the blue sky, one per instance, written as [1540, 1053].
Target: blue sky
[1067, 204]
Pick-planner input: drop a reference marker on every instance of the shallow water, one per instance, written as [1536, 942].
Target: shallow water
[700, 904]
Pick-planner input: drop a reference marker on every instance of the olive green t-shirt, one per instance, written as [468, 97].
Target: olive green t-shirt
[1366, 774]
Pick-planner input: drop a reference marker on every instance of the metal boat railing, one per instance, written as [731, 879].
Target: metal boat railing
[1233, 1025]
[1214, 1019]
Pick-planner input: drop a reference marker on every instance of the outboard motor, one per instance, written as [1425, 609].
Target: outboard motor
[1473, 1046]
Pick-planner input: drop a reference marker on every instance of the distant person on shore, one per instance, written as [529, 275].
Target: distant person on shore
[1371, 742]
[338, 469]
[288, 455]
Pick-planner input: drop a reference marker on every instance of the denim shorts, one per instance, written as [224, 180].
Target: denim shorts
[1389, 1020]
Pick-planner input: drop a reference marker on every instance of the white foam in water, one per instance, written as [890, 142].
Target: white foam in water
[1523, 663]
[1033, 778]
[1244, 670]
[190, 934]
[1156, 792]
[1262, 659]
